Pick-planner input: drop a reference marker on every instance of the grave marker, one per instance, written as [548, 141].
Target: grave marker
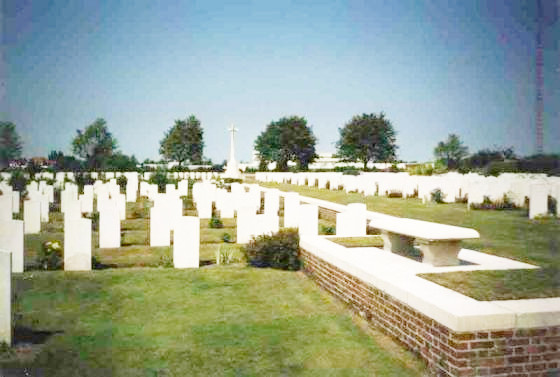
[5, 297]
[77, 244]
[186, 242]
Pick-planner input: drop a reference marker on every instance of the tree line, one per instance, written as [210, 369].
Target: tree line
[364, 138]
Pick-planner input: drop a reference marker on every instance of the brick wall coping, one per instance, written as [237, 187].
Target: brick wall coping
[396, 276]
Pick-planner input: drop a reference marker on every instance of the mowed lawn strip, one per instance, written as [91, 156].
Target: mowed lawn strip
[215, 321]
[508, 234]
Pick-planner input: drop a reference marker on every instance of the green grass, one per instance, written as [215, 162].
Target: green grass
[509, 234]
[371, 241]
[505, 285]
[214, 321]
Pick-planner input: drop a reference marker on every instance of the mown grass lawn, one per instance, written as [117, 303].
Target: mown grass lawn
[508, 234]
[214, 321]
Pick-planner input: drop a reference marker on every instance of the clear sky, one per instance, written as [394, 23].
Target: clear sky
[434, 67]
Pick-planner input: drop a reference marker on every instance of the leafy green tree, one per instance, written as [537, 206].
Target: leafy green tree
[10, 144]
[367, 137]
[184, 141]
[95, 144]
[121, 162]
[288, 139]
[451, 152]
[485, 156]
[64, 163]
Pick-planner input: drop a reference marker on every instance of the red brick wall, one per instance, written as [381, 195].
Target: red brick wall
[515, 352]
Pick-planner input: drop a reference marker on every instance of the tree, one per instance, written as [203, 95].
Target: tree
[451, 152]
[64, 163]
[122, 162]
[95, 144]
[10, 143]
[184, 141]
[367, 137]
[288, 139]
[485, 156]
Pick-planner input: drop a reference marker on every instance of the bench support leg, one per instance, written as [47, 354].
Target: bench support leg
[397, 243]
[440, 253]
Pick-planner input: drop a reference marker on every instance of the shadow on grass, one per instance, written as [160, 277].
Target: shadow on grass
[26, 335]
[103, 266]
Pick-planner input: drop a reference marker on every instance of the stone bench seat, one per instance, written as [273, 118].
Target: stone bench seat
[439, 243]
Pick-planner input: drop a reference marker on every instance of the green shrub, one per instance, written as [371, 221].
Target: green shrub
[82, 179]
[215, 223]
[226, 237]
[423, 169]
[165, 261]
[159, 178]
[437, 196]
[122, 181]
[552, 206]
[279, 250]
[49, 256]
[327, 229]
[18, 181]
[504, 204]
[494, 168]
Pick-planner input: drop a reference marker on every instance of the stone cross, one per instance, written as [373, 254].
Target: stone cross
[232, 131]
[232, 171]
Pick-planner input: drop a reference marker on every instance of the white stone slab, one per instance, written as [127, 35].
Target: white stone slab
[534, 312]
[422, 229]
[109, 228]
[32, 216]
[86, 203]
[15, 201]
[308, 219]
[186, 242]
[5, 207]
[538, 200]
[246, 223]
[77, 244]
[291, 209]
[45, 209]
[160, 227]
[11, 240]
[5, 297]
[272, 202]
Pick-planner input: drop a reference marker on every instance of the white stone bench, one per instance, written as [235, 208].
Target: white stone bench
[439, 243]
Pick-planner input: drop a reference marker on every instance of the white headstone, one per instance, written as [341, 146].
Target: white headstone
[5, 297]
[183, 188]
[271, 201]
[538, 200]
[5, 207]
[160, 230]
[44, 200]
[308, 220]
[186, 242]
[86, 203]
[204, 207]
[291, 210]
[77, 244]
[246, 223]
[32, 216]
[352, 222]
[109, 227]
[15, 201]
[11, 239]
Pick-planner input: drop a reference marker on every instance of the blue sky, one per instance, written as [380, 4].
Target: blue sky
[434, 67]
